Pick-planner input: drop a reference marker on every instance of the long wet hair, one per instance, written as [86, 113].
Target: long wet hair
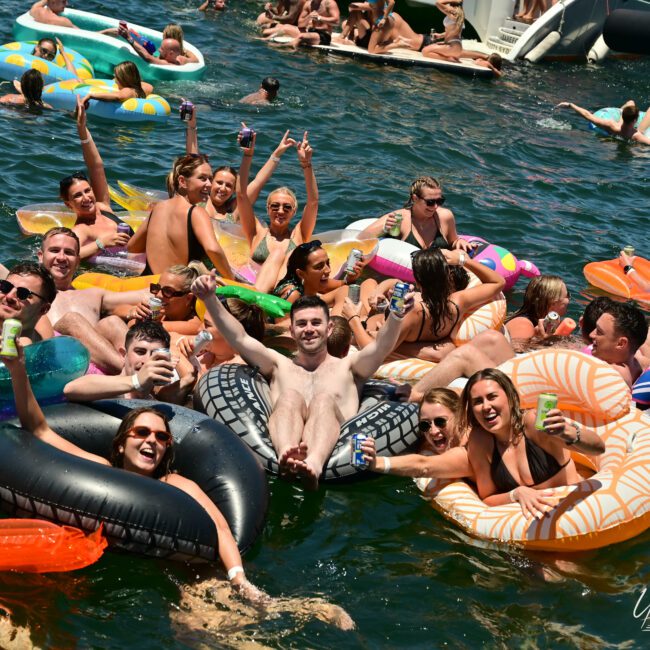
[128, 75]
[467, 419]
[31, 88]
[436, 283]
[541, 293]
[117, 456]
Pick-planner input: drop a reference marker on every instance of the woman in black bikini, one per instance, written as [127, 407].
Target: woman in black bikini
[507, 470]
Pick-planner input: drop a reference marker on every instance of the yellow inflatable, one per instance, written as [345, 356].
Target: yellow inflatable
[112, 283]
[611, 506]
[134, 198]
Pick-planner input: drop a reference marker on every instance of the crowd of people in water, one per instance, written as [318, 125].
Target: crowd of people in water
[480, 433]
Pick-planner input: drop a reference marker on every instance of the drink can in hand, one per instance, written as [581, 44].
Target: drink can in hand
[186, 110]
[356, 455]
[551, 322]
[396, 230]
[155, 305]
[355, 256]
[397, 299]
[11, 330]
[246, 137]
[545, 403]
[629, 251]
[201, 340]
[354, 293]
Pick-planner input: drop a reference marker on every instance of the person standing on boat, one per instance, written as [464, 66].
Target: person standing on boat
[49, 12]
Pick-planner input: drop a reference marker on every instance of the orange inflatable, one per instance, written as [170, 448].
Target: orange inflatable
[35, 546]
[611, 506]
[609, 276]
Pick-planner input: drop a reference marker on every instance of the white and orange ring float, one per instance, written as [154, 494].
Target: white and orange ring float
[611, 506]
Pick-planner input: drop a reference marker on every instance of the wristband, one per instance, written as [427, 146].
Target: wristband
[274, 158]
[100, 244]
[135, 382]
[86, 141]
[627, 268]
[305, 166]
[355, 316]
[461, 259]
[386, 466]
[234, 571]
[576, 440]
[511, 494]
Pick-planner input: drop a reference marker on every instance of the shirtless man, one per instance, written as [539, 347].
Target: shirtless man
[315, 24]
[26, 294]
[312, 393]
[285, 12]
[169, 52]
[84, 314]
[49, 12]
[623, 127]
[267, 92]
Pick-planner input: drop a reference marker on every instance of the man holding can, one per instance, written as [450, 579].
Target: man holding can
[312, 393]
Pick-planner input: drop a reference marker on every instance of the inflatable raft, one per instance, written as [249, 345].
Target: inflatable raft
[104, 51]
[239, 397]
[139, 514]
[614, 113]
[609, 276]
[610, 506]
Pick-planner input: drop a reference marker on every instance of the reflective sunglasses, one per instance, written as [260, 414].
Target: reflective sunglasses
[424, 426]
[274, 207]
[143, 432]
[310, 245]
[437, 202]
[23, 293]
[167, 292]
[45, 53]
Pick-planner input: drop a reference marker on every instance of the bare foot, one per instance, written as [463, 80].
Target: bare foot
[308, 474]
[297, 452]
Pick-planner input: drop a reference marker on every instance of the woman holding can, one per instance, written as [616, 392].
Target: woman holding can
[422, 222]
[515, 454]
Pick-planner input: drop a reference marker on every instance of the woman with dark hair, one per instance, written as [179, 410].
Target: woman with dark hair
[511, 459]
[179, 229]
[30, 91]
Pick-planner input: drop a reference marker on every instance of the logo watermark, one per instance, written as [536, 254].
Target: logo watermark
[642, 611]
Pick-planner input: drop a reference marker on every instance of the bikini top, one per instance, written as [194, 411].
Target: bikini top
[261, 252]
[424, 320]
[542, 465]
[194, 249]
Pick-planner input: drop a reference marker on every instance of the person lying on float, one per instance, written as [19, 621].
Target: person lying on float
[312, 393]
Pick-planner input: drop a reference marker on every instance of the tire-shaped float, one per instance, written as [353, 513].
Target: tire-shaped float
[611, 506]
[140, 514]
[239, 397]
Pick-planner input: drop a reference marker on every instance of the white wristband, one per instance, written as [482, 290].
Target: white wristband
[275, 159]
[511, 494]
[461, 259]
[86, 141]
[234, 571]
[386, 466]
[135, 382]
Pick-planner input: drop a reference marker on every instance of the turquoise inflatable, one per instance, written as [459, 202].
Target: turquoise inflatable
[613, 113]
[272, 305]
[104, 51]
[51, 364]
[16, 58]
[63, 95]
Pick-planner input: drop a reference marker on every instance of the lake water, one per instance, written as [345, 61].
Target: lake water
[517, 173]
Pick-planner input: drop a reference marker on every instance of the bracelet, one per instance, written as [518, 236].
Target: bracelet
[305, 166]
[461, 259]
[576, 440]
[627, 268]
[234, 571]
[511, 494]
[100, 244]
[191, 128]
[135, 382]
[386, 466]
[86, 141]
[130, 315]
[355, 316]
[274, 158]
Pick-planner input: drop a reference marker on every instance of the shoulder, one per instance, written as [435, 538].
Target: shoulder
[445, 215]
[479, 440]
[180, 482]
[520, 327]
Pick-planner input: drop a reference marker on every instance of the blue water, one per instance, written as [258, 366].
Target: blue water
[516, 172]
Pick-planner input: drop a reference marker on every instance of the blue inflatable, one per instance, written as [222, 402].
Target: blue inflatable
[63, 95]
[641, 390]
[51, 364]
[613, 113]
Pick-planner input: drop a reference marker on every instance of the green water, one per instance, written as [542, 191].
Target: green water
[515, 172]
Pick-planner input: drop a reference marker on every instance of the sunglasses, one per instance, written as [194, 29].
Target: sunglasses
[167, 292]
[287, 207]
[311, 245]
[424, 426]
[431, 202]
[44, 53]
[143, 432]
[23, 293]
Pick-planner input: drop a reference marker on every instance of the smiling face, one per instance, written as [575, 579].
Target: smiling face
[310, 328]
[138, 352]
[196, 187]
[176, 307]
[143, 455]
[608, 345]
[490, 407]
[223, 186]
[561, 305]
[27, 311]
[420, 208]
[281, 208]
[59, 254]
[316, 273]
[81, 198]
[442, 426]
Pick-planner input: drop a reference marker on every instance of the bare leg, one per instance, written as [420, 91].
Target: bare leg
[114, 329]
[339, 295]
[286, 426]
[487, 350]
[102, 353]
[268, 276]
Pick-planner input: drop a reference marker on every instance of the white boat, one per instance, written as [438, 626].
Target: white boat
[569, 30]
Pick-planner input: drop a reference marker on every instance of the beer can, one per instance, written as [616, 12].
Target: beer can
[356, 455]
[397, 299]
[166, 352]
[123, 228]
[551, 322]
[155, 304]
[201, 340]
[629, 250]
[11, 330]
[545, 403]
[354, 293]
[355, 256]
[395, 230]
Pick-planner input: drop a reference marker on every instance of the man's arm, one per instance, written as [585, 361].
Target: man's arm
[372, 356]
[52, 18]
[251, 350]
[603, 123]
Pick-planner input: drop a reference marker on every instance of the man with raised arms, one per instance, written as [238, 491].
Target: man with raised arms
[313, 393]
[49, 12]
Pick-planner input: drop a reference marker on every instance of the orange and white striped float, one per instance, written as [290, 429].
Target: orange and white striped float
[611, 506]
[609, 276]
[410, 370]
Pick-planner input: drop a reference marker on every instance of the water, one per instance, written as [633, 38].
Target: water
[516, 172]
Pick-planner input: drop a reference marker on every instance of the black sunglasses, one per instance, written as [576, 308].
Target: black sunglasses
[46, 54]
[23, 293]
[276, 206]
[424, 426]
[310, 245]
[167, 292]
[431, 202]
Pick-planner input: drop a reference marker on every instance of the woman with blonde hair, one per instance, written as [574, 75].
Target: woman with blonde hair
[179, 229]
[129, 85]
[176, 32]
[453, 22]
